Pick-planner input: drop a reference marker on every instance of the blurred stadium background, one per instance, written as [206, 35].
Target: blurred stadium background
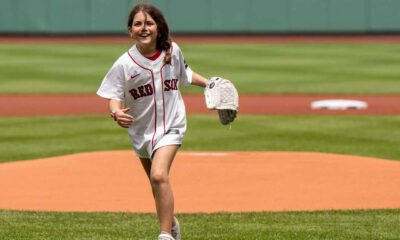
[204, 17]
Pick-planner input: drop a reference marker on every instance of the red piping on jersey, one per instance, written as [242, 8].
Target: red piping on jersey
[155, 101]
[162, 82]
[163, 100]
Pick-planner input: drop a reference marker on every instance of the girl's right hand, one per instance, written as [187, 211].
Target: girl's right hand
[122, 118]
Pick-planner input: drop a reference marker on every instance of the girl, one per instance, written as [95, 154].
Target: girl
[143, 91]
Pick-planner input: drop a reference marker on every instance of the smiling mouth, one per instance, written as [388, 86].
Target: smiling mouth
[144, 35]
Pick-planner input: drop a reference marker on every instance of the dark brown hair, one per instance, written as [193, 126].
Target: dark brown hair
[163, 38]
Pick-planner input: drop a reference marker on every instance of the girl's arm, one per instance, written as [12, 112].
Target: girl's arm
[119, 113]
[199, 80]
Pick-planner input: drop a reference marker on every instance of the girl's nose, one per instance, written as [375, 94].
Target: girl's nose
[145, 26]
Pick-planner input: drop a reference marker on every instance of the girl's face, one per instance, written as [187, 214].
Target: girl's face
[144, 30]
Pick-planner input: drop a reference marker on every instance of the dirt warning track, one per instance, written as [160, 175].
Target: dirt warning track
[41, 105]
[203, 182]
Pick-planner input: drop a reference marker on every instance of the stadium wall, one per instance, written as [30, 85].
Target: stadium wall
[204, 17]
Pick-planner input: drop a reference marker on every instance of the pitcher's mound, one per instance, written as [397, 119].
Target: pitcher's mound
[203, 182]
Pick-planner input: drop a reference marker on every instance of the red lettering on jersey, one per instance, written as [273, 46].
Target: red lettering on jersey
[174, 85]
[170, 85]
[167, 85]
[134, 93]
[149, 89]
[142, 91]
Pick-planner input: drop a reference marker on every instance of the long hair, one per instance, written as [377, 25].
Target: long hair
[163, 41]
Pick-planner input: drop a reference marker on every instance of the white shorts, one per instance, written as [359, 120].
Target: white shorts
[172, 137]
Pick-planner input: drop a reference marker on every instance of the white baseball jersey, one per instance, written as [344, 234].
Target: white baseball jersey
[151, 90]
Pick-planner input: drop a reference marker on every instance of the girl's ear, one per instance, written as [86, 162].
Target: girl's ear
[130, 31]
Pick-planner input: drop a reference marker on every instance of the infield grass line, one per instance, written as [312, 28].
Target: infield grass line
[24, 138]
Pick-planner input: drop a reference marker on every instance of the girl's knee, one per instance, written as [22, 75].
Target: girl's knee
[158, 177]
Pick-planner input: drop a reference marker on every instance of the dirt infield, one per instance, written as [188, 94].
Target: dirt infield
[203, 182]
[37, 105]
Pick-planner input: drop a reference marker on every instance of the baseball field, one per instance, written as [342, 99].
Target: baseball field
[67, 170]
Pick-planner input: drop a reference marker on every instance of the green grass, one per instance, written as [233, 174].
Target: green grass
[254, 68]
[374, 136]
[338, 225]
[302, 68]
[39, 68]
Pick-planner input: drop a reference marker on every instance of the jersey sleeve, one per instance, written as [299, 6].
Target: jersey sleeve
[189, 74]
[113, 84]
[185, 71]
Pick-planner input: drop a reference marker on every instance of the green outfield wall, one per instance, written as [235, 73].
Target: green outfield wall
[204, 16]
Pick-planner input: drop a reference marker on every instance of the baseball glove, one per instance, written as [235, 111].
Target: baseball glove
[221, 94]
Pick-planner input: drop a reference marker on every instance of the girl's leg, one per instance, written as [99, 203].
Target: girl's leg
[158, 172]
[146, 163]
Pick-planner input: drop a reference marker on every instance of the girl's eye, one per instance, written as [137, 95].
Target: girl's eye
[149, 23]
[137, 24]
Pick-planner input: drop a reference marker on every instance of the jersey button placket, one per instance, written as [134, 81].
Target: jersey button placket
[159, 102]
